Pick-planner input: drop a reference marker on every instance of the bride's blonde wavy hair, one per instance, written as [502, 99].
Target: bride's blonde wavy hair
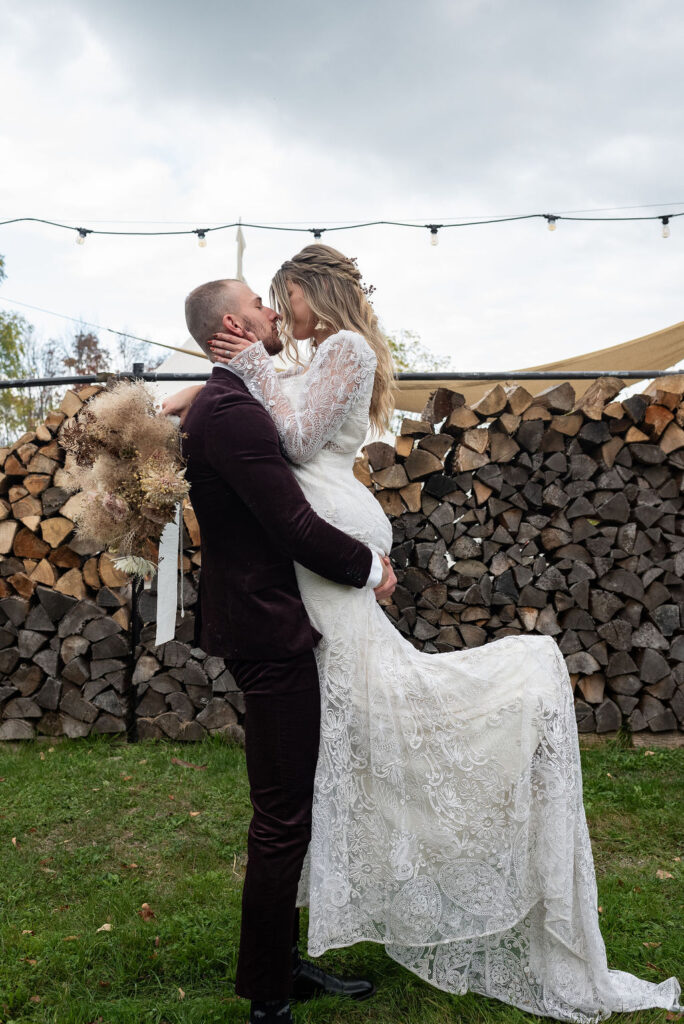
[332, 287]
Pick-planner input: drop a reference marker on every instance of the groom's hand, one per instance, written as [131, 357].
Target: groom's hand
[226, 346]
[385, 588]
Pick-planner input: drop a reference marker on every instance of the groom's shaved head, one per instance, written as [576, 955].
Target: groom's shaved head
[206, 306]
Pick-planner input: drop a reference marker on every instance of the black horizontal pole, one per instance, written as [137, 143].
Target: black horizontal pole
[483, 375]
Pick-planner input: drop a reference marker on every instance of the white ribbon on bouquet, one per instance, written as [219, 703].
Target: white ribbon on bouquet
[170, 558]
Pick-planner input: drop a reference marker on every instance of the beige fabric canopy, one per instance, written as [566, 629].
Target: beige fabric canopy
[657, 351]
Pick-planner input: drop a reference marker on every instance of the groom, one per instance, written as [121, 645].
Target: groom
[254, 523]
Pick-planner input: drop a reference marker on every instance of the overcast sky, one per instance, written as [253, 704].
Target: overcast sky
[169, 114]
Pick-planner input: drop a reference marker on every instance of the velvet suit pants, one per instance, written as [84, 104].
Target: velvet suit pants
[282, 726]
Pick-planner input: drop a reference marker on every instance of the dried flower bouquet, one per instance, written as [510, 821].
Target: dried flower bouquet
[126, 459]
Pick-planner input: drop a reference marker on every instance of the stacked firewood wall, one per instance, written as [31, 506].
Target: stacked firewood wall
[519, 514]
[66, 666]
[547, 515]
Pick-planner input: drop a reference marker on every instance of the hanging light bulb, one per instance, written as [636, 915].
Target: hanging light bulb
[550, 221]
[81, 236]
[434, 236]
[201, 238]
[317, 232]
[666, 227]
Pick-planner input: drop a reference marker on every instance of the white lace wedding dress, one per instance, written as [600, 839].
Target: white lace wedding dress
[448, 821]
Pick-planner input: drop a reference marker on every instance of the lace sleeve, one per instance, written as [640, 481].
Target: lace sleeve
[342, 370]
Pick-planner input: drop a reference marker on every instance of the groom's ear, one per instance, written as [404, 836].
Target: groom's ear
[230, 323]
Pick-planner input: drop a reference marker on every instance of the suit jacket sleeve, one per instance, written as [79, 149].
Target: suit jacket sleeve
[242, 445]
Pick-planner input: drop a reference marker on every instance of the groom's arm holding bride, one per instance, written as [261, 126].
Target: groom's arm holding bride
[254, 467]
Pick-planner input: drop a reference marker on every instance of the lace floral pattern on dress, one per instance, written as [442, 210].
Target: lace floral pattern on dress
[448, 821]
[340, 374]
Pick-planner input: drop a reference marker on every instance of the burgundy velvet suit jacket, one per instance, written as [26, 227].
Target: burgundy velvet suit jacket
[255, 522]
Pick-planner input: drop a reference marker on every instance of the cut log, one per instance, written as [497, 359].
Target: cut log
[656, 419]
[71, 584]
[416, 428]
[466, 459]
[27, 545]
[672, 439]
[36, 483]
[597, 396]
[477, 439]
[56, 530]
[558, 398]
[518, 399]
[440, 404]
[537, 412]
[390, 502]
[460, 419]
[71, 404]
[411, 495]
[404, 445]
[380, 455]
[109, 574]
[361, 470]
[421, 464]
[393, 477]
[492, 402]
[8, 530]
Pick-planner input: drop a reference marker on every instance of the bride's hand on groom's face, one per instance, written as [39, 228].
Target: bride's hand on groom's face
[385, 589]
[226, 346]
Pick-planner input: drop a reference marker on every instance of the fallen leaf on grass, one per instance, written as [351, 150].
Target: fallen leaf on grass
[188, 764]
[651, 945]
[3, 778]
[146, 912]
[126, 778]
[649, 753]
[70, 938]
[193, 814]
[157, 940]
[28, 960]
[104, 984]
[144, 761]
[15, 843]
[107, 927]
[171, 796]
[42, 755]
[34, 999]
[130, 867]
[677, 859]
[181, 993]
[655, 968]
[600, 910]
[663, 874]
[28, 931]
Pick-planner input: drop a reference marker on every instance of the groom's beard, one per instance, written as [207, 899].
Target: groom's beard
[272, 342]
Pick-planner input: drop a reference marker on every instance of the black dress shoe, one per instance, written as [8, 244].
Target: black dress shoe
[309, 981]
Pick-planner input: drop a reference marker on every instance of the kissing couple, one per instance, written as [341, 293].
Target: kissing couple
[428, 802]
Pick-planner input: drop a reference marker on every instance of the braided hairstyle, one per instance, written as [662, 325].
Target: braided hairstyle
[332, 288]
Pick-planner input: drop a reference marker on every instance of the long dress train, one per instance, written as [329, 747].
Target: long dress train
[448, 821]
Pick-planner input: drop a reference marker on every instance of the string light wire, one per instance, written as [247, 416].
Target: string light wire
[317, 232]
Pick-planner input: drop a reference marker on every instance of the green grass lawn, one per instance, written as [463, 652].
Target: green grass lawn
[91, 830]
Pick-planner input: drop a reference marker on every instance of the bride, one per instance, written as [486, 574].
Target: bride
[448, 821]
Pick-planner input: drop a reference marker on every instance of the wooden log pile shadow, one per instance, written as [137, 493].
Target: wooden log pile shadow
[66, 666]
[547, 515]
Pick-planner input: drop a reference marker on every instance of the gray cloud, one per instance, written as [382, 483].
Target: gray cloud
[517, 100]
